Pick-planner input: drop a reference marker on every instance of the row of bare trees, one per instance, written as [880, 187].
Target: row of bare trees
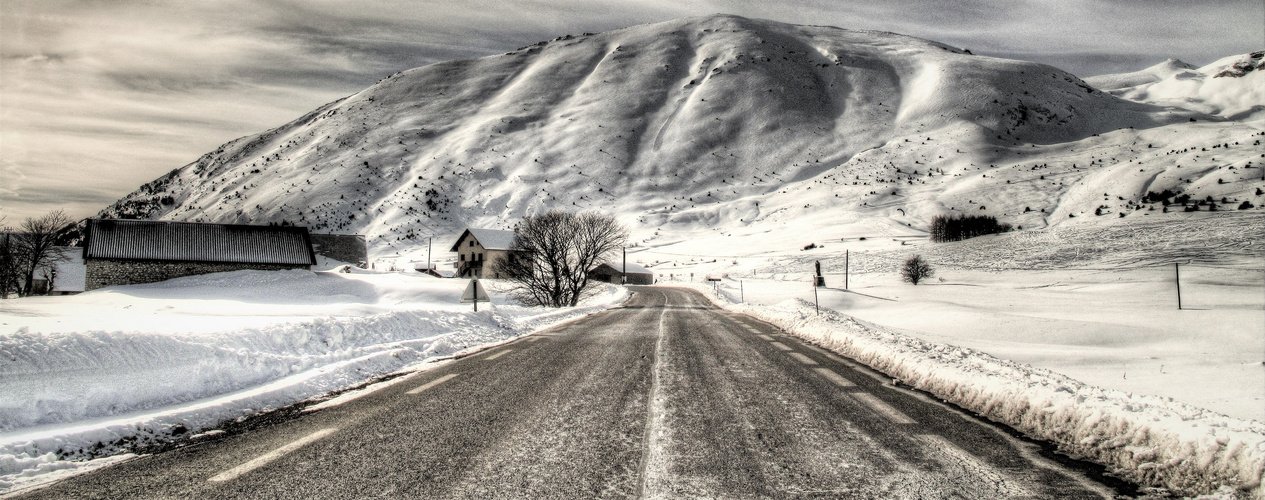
[29, 249]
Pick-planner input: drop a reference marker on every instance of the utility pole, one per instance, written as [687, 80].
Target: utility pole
[428, 242]
[845, 269]
[623, 270]
[742, 294]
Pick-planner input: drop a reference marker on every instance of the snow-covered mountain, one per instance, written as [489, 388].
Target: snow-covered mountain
[718, 126]
[1232, 87]
[1152, 74]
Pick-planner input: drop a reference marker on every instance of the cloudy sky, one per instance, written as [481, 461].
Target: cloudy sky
[100, 96]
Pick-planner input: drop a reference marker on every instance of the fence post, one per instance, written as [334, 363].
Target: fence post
[742, 293]
[845, 269]
[1177, 273]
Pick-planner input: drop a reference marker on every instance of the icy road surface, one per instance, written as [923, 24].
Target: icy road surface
[666, 397]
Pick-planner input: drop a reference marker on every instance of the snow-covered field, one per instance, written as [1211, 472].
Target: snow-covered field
[1068, 334]
[1117, 329]
[99, 373]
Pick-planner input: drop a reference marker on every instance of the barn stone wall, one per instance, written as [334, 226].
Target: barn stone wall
[111, 272]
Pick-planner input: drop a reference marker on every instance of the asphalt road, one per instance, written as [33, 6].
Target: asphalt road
[665, 397]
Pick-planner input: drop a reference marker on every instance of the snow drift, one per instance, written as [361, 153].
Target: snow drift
[189, 354]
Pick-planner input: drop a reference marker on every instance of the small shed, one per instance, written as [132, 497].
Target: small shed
[128, 252]
[611, 273]
[478, 250]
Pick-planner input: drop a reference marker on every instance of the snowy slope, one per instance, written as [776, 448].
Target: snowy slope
[718, 122]
[1152, 74]
[1232, 87]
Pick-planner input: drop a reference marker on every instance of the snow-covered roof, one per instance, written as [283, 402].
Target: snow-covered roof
[190, 241]
[630, 269]
[491, 239]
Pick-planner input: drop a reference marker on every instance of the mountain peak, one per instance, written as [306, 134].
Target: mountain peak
[693, 121]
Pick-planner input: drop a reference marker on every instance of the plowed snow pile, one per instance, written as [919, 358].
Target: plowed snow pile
[104, 371]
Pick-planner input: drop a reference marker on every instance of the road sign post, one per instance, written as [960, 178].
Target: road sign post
[475, 293]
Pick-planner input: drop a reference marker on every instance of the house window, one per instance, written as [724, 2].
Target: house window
[480, 257]
[463, 257]
[471, 242]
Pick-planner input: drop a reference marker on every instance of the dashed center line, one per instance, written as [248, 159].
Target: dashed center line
[765, 337]
[432, 383]
[883, 408]
[264, 459]
[802, 358]
[499, 354]
[834, 377]
[781, 346]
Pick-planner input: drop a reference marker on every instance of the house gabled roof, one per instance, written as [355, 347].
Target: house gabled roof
[192, 241]
[491, 239]
[630, 269]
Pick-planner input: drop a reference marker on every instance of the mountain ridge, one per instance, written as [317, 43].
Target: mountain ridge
[687, 123]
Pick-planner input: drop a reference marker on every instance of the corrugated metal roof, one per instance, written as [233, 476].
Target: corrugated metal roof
[191, 241]
[491, 239]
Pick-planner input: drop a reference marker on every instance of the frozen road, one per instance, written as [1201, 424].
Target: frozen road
[666, 397]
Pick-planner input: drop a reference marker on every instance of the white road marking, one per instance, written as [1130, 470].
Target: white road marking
[799, 356]
[499, 354]
[834, 377]
[883, 408]
[781, 346]
[432, 383]
[264, 459]
[765, 337]
[534, 338]
[653, 462]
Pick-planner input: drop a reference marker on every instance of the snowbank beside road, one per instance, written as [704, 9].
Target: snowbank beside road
[189, 354]
[1149, 440]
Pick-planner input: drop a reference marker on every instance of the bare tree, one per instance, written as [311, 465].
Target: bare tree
[34, 246]
[916, 269]
[552, 254]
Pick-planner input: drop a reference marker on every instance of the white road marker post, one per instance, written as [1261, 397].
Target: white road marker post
[816, 303]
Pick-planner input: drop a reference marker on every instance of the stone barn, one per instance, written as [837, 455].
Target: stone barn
[128, 252]
[611, 272]
[478, 249]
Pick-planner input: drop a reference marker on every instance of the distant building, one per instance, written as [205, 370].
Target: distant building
[438, 273]
[479, 249]
[611, 272]
[127, 252]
